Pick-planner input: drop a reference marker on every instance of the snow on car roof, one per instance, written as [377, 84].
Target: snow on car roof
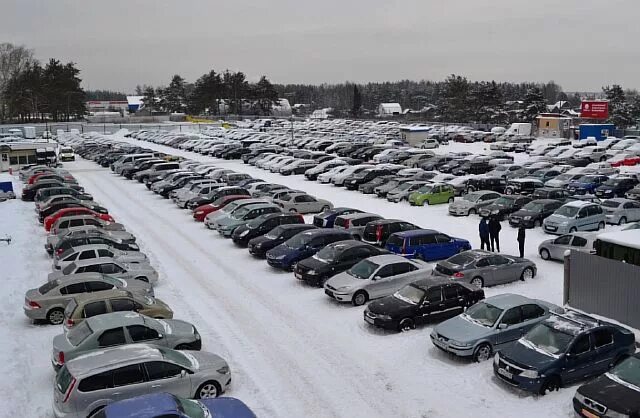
[627, 238]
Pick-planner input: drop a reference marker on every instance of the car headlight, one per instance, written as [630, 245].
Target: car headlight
[564, 222]
[384, 317]
[530, 374]
[199, 212]
[527, 218]
[496, 359]
[244, 233]
[312, 272]
[495, 212]
[223, 370]
[344, 288]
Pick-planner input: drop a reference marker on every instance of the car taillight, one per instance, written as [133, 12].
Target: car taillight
[59, 251]
[69, 390]
[70, 322]
[347, 222]
[301, 218]
[379, 233]
[458, 275]
[61, 357]
[33, 304]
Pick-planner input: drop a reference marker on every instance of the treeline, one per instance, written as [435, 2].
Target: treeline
[213, 93]
[105, 95]
[30, 91]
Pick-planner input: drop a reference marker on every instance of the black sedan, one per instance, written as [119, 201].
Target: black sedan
[333, 259]
[504, 205]
[533, 213]
[420, 302]
[263, 224]
[259, 246]
[615, 187]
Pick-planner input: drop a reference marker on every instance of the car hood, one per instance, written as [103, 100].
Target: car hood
[579, 184]
[461, 203]
[281, 250]
[390, 305]
[462, 330]
[612, 394]
[345, 279]
[176, 327]
[525, 212]
[557, 218]
[527, 354]
[206, 361]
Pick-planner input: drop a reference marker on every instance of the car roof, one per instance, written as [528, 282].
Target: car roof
[325, 231]
[145, 406]
[387, 259]
[112, 319]
[92, 261]
[416, 232]
[578, 204]
[297, 226]
[261, 206]
[384, 221]
[349, 243]
[508, 300]
[545, 201]
[436, 280]
[100, 295]
[358, 215]
[111, 358]
[574, 322]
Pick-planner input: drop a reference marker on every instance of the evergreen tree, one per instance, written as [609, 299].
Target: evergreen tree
[454, 103]
[620, 112]
[356, 108]
[264, 95]
[534, 104]
[175, 95]
[150, 98]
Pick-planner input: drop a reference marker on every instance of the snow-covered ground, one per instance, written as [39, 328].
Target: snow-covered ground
[293, 351]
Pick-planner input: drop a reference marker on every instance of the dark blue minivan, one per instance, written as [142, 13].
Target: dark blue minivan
[303, 245]
[426, 244]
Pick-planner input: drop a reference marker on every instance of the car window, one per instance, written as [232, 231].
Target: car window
[531, 311]
[86, 255]
[75, 222]
[73, 289]
[112, 337]
[385, 271]
[512, 316]
[63, 225]
[581, 345]
[128, 375]
[94, 308]
[98, 286]
[498, 260]
[95, 268]
[579, 242]
[142, 333]
[96, 382]
[563, 240]
[450, 292]
[434, 294]
[110, 268]
[122, 305]
[105, 253]
[402, 268]
[442, 238]
[157, 370]
[483, 262]
[406, 226]
[602, 337]
[91, 222]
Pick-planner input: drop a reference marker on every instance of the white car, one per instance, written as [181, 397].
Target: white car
[429, 143]
[339, 179]
[331, 174]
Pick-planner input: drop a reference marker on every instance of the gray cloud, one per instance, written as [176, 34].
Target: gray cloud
[117, 44]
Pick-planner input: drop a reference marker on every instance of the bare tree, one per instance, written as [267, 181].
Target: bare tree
[13, 60]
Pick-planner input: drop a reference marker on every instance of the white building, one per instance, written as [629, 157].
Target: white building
[389, 109]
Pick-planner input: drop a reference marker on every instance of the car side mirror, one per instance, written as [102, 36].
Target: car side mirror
[377, 277]
[160, 336]
[183, 373]
[503, 326]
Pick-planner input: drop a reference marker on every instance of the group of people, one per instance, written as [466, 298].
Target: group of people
[490, 235]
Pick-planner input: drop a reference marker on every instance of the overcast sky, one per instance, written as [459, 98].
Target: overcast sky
[581, 44]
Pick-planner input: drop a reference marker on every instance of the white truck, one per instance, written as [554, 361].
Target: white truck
[519, 129]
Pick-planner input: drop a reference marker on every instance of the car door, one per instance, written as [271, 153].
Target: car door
[128, 381]
[580, 358]
[431, 306]
[379, 283]
[111, 338]
[454, 300]
[113, 269]
[445, 245]
[606, 350]
[632, 211]
[87, 255]
[531, 315]
[509, 329]
[484, 269]
[559, 246]
[168, 377]
[145, 334]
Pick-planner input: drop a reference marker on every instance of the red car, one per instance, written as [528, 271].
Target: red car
[630, 161]
[201, 212]
[51, 219]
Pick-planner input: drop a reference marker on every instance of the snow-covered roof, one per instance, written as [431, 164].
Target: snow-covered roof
[628, 238]
[135, 100]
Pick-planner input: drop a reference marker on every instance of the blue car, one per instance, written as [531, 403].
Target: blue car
[326, 219]
[303, 245]
[163, 405]
[561, 350]
[586, 184]
[426, 244]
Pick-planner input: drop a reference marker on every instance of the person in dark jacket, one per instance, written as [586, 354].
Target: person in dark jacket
[494, 233]
[484, 234]
[521, 237]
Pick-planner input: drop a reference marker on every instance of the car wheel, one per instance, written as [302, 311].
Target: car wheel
[325, 208]
[183, 347]
[208, 390]
[406, 324]
[622, 221]
[551, 384]
[477, 282]
[601, 226]
[359, 299]
[426, 202]
[573, 229]
[293, 211]
[143, 279]
[472, 212]
[527, 274]
[55, 316]
[508, 191]
[94, 413]
[451, 200]
[537, 222]
[544, 254]
[482, 353]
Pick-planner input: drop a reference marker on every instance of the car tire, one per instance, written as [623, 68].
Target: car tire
[359, 298]
[537, 223]
[551, 384]
[601, 225]
[406, 324]
[451, 199]
[527, 273]
[478, 282]
[544, 254]
[55, 316]
[573, 229]
[622, 221]
[482, 353]
[142, 278]
[208, 390]
[472, 212]
[426, 202]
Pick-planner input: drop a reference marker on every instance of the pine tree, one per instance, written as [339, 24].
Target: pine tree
[620, 112]
[534, 103]
[356, 107]
[150, 98]
[175, 94]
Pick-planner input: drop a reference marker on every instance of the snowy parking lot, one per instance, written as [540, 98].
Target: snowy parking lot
[293, 352]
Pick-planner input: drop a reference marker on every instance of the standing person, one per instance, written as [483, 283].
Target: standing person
[521, 237]
[494, 233]
[484, 234]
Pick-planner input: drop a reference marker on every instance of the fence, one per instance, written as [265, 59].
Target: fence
[604, 287]
[110, 128]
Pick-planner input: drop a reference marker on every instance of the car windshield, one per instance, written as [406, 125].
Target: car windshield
[612, 182]
[409, 294]
[240, 212]
[69, 269]
[363, 270]
[483, 313]
[404, 186]
[610, 204]
[628, 371]
[298, 241]
[504, 201]
[274, 233]
[461, 259]
[549, 339]
[534, 207]
[565, 177]
[47, 287]
[471, 197]
[78, 334]
[175, 357]
[328, 253]
[425, 189]
[567, 211]
[191, 408]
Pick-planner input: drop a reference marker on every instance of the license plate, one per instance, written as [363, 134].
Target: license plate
[505, 373]
[369, 320]
[588, 414]
[298, 275]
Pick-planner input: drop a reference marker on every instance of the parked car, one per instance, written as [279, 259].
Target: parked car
[472, 202]
[426, 244]
[355, 223]
[333, 259]
[484, 268]
[523, 186]
[563, 180]
[575, 216]
[375, 277]
[561, 350]
[89, 382]
[378, 232]
[615, 187]
[504, 205]
[390, 184]
[201, 213]
[242, 216]
[47, 302]
[619, 211]
[555, 248]
[327, 218]
[86, 237]
[534, 213]
[550, 193]
[263, 224]
[121, 328]
[371, 186]
[303, 245]
[107, 265]
[586, 184]
[260, 245]
[421, 302]
[432, 194]
[490, 325]
[611, 394]
[303, 203]
[403, 191]
[494, 184]
[165, 405]
[87, 305]
[92, 251]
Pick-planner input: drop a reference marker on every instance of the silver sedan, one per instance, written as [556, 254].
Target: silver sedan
[555, 248]
[92, 251]
[471, 203]
[303, 203]
[620, 211]
[104, 265]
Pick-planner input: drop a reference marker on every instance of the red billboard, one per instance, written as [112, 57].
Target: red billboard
[592, 109]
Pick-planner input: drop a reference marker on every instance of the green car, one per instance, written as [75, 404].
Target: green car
[432, 194]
